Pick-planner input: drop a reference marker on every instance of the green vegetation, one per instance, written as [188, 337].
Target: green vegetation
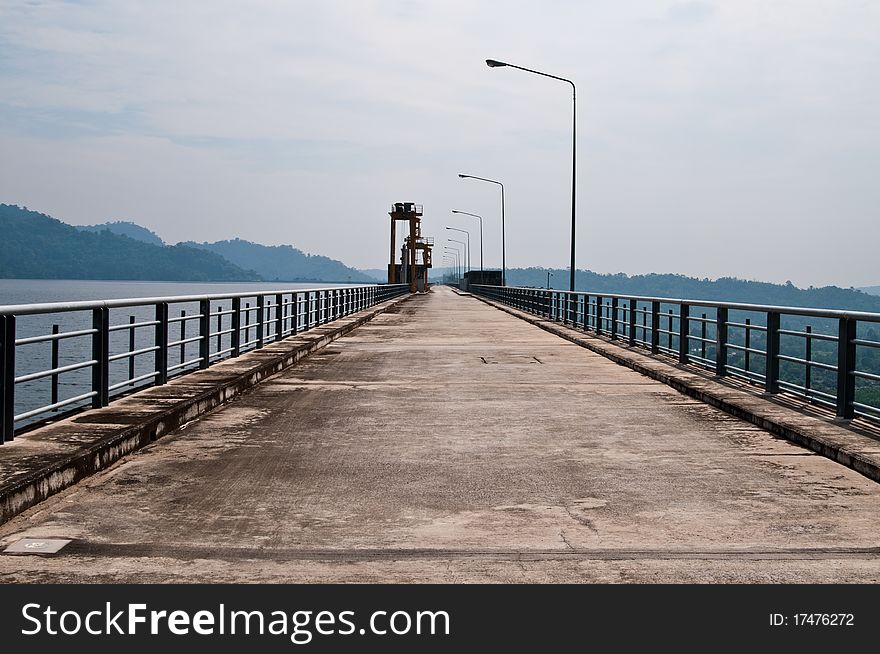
[726, 289]
[284, 263]
[36, 246]
[379, 274]
[124, 228]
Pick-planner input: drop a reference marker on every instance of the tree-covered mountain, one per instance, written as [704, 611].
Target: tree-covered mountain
[871, 290]
[36, 246]
[726, 289]
[125, 228]
[379, 274]
[284, 263]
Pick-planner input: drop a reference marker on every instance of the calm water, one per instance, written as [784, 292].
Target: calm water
[38, 356]
[28, 291]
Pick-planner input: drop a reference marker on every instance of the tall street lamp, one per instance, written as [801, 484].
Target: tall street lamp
[467, 254]
[492, 63]
[457, 258]
[468, 235]
[503, 242]
[480, 218]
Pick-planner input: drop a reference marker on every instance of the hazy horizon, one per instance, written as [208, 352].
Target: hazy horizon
[714, 139]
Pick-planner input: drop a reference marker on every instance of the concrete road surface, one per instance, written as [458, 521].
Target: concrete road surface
[447, 441]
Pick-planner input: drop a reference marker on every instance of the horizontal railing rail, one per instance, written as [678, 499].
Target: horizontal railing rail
[824, 356]
[61, 357]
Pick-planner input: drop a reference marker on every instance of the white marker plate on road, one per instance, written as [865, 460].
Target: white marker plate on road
[36, 546]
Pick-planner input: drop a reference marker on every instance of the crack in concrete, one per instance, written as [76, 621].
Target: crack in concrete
[565, 540]
[586, 522]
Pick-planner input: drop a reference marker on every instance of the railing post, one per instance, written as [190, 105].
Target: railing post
[7, 378]
[279, 316]
[101, 354]
[247, 323]
[846, 363]
[161, 342]
[655, 327]
[204, 333]
[771, 380]
[721, 318]
[599, 311]
[747, 342]
[585, 322]
[183, 337]
[219, 327]
[236, 326]
[808, 356]
[684, 325]
[614, 319]
[703, 337]
[131, 346]
[633, 305]
[295, 307]
[261, 319]
[54, 364]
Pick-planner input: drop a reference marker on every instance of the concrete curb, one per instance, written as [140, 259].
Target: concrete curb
[844, 445]
[50, 459]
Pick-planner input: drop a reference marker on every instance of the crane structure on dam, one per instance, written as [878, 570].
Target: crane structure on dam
[415, 253]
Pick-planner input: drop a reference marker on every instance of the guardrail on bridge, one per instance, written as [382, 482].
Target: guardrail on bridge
[827, 357]
[106, 357]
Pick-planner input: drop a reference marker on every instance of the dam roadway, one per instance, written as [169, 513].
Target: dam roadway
[448, 441]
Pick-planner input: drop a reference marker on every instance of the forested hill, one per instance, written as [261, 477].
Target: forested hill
[124, 228]
[284, 263]
[680, 287]
[36, 246]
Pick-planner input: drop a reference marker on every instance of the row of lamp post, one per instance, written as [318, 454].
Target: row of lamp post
[492, 63]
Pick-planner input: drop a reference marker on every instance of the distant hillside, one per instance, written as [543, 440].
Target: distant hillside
[284, 263]
[871, 290]
[37, 246]
[124, 228]
[379, 274]
[726, 289]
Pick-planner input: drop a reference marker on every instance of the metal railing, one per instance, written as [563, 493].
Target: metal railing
[827, 357]
[96, 355]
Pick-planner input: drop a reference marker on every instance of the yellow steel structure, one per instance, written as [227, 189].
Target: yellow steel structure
[415, 256]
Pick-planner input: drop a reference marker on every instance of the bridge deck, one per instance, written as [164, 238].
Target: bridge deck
[449, 441]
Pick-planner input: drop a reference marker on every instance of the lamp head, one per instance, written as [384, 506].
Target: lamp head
[492, 63]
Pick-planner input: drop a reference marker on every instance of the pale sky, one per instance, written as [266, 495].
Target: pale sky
[736, 138]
